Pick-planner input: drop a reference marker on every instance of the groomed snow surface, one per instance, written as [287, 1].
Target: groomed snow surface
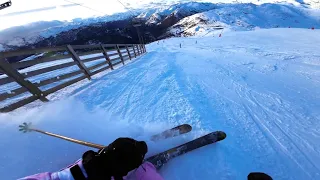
[261, 87]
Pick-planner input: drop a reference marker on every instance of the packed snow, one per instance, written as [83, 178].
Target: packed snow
[260, 87]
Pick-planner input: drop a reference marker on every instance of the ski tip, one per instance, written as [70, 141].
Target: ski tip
[221, 135]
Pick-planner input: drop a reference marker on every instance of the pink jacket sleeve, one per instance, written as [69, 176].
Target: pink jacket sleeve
[147, 172]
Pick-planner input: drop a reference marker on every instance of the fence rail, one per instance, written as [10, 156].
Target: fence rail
[48, 70]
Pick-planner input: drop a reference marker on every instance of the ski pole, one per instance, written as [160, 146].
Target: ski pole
[25, 127]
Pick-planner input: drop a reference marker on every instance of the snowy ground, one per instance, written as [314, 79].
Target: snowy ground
[261, 87]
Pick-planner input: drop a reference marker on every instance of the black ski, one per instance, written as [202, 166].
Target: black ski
[176, 131]
[160, 159]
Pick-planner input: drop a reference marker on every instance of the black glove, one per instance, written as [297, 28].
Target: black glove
[258, 176]
[115, 160]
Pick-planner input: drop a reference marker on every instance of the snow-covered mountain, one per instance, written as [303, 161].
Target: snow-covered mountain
[244, 17]
[161, 20]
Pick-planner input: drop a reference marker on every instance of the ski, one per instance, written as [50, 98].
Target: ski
[160, 159]
[176, 131]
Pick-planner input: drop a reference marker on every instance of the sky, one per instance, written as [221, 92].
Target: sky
[27, 11]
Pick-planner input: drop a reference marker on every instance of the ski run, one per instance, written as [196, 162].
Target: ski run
[262, 88]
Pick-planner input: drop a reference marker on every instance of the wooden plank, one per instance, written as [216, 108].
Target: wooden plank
[24, 64]
[30, 51]
[6, 80]
[48, 69]
[135, 54]
[138, 50]
[144, 48]
[97, 65]
[128, 52]
[115, 59]
[141, 51]
[14, 74]
[95, 46]
[89, 53]
[100, 70]
[122, 49]
[113, 54]
[18, 104]
[108, 45]
[59, 78]
[126, 58]
[92, 59]
[120, 54]
[117, 63]
[13, 93]
[61, 86]
[80, 64]
[105, 54]
[112, 45]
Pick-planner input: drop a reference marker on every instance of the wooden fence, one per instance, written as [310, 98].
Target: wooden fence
[48, 70]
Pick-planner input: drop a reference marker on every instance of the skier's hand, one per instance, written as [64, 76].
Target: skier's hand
[115, 160]
[259, 176]
[126, 154]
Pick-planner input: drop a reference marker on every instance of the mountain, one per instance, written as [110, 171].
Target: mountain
[182, 19]
[239, 17]
[110, 29]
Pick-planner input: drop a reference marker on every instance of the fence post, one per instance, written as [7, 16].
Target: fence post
[119, 52]
[138, 50]
[135, 55]
[144, 46]
[142, 50]
[80, 64]
[19, 78]
[128, 52]
[105, 53]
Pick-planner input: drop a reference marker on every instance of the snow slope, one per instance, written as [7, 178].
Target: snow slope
[260, 87]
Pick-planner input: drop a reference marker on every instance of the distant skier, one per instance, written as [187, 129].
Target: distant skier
[112, 162]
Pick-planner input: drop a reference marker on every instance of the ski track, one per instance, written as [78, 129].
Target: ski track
[264, 95]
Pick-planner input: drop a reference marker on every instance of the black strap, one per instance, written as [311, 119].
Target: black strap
[77, 173]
